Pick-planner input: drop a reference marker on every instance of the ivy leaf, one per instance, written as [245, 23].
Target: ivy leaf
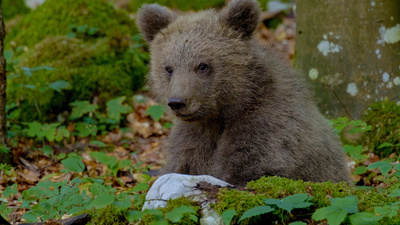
[10, 190]
[258, 210]
[177, 214]
[386, 144]
[363, 218]
[228, 215]
[334, 215]
[141, 187]
[360, 170]
[80, 108]
[348, 204]
[60, 85]
[74, 164]
[384, 166]
[156, 112]
[115, 108]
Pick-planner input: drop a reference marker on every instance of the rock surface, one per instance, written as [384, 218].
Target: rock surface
[173, 185]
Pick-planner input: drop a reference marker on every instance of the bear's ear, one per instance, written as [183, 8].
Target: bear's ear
[242, 16]
[152, 18]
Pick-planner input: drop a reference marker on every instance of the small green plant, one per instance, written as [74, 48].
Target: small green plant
[82, 31]
[6, 168]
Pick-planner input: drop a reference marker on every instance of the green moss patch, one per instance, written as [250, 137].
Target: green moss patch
[12, 8]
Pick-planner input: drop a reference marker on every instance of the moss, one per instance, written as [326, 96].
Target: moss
[276, 187]
[12, 8]
[172, 204]
[92, 70]
[183, 5]
[385, 121]
[108, 215]
[55, 17]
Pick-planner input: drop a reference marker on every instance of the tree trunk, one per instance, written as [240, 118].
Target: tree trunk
[350, 52]
[4, 157]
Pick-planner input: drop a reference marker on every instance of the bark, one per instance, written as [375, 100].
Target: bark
[4, 157]
[350, 52]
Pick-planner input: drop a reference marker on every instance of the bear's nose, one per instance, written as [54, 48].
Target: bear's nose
[176, 103]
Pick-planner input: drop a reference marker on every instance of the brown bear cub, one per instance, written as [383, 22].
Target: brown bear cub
[242, 113]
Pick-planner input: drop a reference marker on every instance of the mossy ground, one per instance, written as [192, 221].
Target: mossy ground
[278, 188]
[89, 44]
[12, 8]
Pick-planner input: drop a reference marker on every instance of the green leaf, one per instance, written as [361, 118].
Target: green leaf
[134, 215]
[10, 190]
[334, 215]
[360, 170]
[384, 166]
[156, 112]
[34, 129]
[85, 130]
[115, 108]
[395, 193]
[110, 161]
[291, 202]
[387, 210]
[97, 143]
[47, 150]
[60, 85]
[102, 201]
[82, 28]
[297, 223]
[256, 211]
[386, 144]
[141, 187]
[80, 108]
[348, 204]
[228, 215]
[74, 164]
[177, 214]
[364, 218]
[62, 133]
[123, 204]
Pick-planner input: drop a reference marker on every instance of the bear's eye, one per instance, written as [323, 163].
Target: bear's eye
[169, 70]
[202, 68]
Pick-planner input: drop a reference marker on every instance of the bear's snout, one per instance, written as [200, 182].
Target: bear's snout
[176, 103]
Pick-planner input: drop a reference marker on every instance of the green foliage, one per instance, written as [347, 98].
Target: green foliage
[256, 211]
[6, 168]
[337, 212]
[179, 4]
[384, 136]
[52, 132]
[115, 108]
[11, 8]
[55, 18]
[156, 112]
[227, 216]
[73, 163]
[291, 202]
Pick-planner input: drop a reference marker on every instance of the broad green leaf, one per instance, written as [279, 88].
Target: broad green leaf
[115, 108]
[228, 215]
[333, 214]
[297, 223]
[141, 187]
[110, 161]
[49, 132]
[85, 130]
[35, 129]
[60, 85]
[395, 193]
[177, 214]
[47, 150]
[102, 200]
[360, 170]
[256, 211]
[348, 204]
[156, 112]
[80, 108]
[291, 202]
[97, 143]
[62, 133]
[364, 218]
[10, 190]
[386, 144]
[384, 166]
[122, 204]
[387, 210]
[73, 164]
[134, 215]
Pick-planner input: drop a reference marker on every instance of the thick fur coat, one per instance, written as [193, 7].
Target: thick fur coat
[242, 113]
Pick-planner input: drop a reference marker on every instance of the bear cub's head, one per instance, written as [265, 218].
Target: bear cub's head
[200, 62]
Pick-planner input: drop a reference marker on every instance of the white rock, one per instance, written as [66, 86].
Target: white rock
[173, 185]
[33, 4]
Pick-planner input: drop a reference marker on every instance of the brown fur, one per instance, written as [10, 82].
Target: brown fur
[248, 115]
